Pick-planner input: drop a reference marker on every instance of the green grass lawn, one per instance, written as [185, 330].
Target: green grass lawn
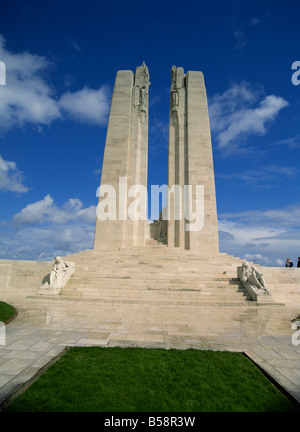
[6, 311]
[151, 380]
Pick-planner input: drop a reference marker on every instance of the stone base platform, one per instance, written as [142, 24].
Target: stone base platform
[158, 274]
[148, 297]
[152, 274]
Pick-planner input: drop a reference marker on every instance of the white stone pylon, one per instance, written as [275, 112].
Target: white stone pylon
[191, 164]
[126, 158]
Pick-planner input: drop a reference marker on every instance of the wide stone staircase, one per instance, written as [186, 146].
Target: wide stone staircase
[156, 274]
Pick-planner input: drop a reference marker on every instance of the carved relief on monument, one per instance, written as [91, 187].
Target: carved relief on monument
[140, 91]
[143, 104]
[174, 95]
[173, 75]
[145, 73]
[143, 96]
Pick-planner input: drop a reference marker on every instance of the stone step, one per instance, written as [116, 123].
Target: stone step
[226, 271]
[139, 290]
[153, 295]
[180, 299]
[152, 251]
[162, 263]
[159, 270]
[134, 264]
[136, 291]
[155, 259]
[138, 287]
[147, 281]
[154, 254]
[155, 273]
[154, 276]
[141, 284]
[202, 303]
[161, 250]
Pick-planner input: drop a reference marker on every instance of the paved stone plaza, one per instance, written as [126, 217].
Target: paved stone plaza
[44, 328]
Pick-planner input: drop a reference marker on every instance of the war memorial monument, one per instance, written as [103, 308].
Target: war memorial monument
[176, 258]
[153, 282]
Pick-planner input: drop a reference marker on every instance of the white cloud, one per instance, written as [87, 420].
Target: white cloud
[288, 216]
[34, 213]
[239, 112]
[28, 97]
[73, 238]
[45, 211]
[260, 177]
[240, 38]
[257, 258]
[159, 132]
[44, 243]
[265, 237]
[43, 230]
[291, 143]
[240, 30]
[87, 105]
[11, 179]
[254, 22]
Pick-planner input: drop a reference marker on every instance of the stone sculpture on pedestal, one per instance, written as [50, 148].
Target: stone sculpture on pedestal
[254, 282]
[59, 276]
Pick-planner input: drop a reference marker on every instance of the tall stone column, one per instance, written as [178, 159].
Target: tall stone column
[191, 164]
[125, 162]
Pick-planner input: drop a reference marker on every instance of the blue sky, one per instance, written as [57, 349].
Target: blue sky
[61, 60]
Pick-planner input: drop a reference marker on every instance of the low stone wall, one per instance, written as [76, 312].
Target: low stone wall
[20, 278]
[284, 282]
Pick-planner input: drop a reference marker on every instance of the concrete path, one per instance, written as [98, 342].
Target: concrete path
[43, 328]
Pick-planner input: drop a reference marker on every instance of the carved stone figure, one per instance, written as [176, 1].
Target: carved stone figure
[59, 276]
[253, 281]
[174, 102]
[143, 95]
[174, 96]
[173, 75]
[146, 73]
[61, 273]
[252, 277]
